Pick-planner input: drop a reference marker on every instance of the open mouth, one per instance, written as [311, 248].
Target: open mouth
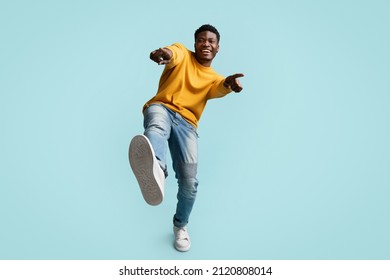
[206, 52]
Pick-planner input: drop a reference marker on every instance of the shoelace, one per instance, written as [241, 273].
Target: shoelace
[182, 234]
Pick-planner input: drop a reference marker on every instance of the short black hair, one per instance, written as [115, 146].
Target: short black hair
[207, 27]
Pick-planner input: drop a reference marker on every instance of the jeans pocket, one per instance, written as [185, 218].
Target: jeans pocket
[190, 127]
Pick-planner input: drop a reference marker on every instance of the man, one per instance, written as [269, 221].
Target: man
[171, 119]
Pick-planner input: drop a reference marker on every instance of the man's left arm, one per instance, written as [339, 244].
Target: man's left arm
[225, 86]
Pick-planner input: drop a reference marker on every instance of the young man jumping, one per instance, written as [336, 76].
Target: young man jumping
[171, 119]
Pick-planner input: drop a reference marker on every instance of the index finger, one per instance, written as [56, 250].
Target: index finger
[239, 75]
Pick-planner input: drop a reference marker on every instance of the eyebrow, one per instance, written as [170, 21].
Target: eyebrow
[206, 38]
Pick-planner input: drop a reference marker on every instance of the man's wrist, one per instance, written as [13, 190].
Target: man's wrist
[168, 53]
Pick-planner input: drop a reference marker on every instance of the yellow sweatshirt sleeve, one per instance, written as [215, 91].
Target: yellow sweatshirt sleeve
[218, 90]
[178, 53]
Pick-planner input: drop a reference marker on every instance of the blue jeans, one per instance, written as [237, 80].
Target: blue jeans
[167, 129]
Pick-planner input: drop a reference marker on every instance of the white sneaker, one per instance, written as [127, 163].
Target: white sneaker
[182, 239]
[146, 169]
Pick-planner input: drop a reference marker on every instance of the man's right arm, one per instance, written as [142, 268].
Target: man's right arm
[171, 55]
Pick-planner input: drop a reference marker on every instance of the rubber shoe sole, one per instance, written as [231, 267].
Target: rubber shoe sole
[147, 171]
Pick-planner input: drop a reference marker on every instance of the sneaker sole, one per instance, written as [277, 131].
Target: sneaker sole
[185, 249]
[141, 156]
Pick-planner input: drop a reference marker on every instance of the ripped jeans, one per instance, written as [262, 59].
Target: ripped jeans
[167, 129]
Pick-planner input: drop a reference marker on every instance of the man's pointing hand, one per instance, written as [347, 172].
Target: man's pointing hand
[233, 82]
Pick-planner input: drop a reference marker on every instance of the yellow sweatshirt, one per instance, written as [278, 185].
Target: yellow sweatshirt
[185, 85]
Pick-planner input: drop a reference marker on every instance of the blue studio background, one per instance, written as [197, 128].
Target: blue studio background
[294, 167]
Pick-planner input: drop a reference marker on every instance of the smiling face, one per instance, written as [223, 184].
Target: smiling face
[206, 47]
